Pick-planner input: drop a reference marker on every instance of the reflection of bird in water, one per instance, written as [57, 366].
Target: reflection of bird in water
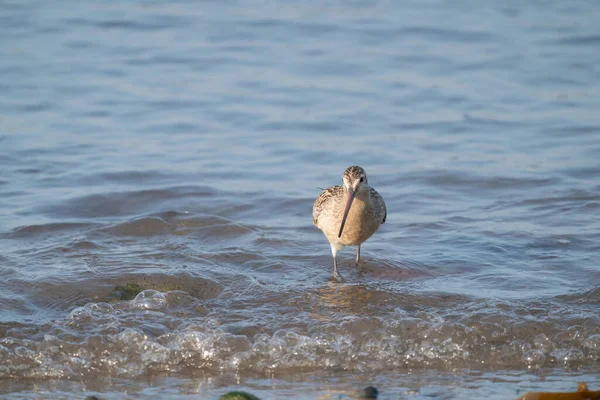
[350, 298]
[349, 214]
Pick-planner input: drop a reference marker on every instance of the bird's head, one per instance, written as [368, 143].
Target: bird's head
[355, 179]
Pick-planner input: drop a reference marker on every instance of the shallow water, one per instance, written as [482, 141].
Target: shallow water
[180, 147]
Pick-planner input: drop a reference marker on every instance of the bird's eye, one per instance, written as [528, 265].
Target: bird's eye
[362, 179]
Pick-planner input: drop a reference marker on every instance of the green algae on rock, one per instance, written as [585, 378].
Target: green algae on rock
[238, 396]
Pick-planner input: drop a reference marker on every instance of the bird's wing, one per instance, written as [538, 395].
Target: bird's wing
[380, 209]
[325, 200]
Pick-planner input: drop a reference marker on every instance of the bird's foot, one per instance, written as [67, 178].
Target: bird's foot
[336, 277]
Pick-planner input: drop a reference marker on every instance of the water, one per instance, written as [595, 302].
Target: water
[179, 146]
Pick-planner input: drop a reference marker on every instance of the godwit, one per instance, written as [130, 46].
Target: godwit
[349, 214]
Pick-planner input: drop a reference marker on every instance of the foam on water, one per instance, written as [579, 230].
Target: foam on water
[161, 332]
[150, 300]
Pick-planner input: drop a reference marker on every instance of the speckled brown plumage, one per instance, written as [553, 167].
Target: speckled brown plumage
[366, 213]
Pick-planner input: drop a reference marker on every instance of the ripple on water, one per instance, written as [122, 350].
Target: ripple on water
[145, 226]
[208, 227]
[30, 230]
[126, 203]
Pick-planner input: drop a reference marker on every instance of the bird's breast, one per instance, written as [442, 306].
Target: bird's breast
[360, 224]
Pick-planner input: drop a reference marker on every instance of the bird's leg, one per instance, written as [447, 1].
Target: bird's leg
[357, 254]
[336, 275]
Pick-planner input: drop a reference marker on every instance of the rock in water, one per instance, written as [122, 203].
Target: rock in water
[369, 393]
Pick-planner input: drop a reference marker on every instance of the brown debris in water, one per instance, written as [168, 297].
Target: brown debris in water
[582, 393]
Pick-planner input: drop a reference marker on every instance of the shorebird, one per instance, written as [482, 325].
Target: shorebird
[349, 214]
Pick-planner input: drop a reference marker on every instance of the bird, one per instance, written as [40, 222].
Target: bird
[349, 214]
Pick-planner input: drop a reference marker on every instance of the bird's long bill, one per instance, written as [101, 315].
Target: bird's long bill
[351, 195]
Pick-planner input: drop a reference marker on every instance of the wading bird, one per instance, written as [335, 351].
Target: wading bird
[349, 214]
